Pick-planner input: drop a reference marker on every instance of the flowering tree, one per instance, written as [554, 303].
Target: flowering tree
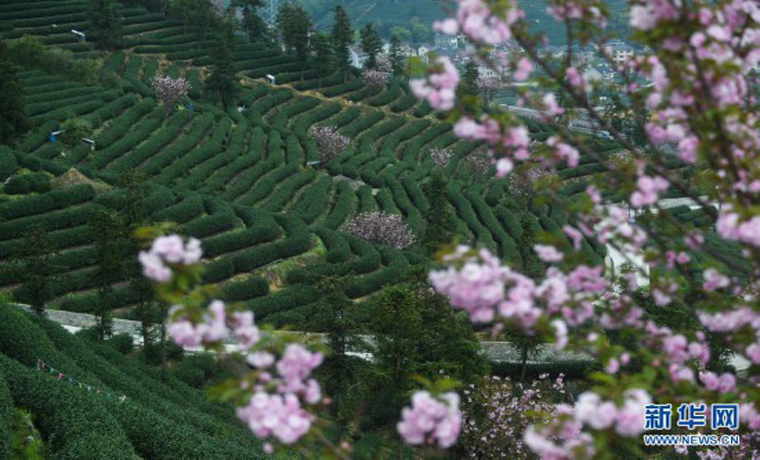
[330, 142]
[170, 90]
[375, 78]
[384, 63]
[497, 412]
[697, 83]
[440, 157]
[488, 88]
[383, 228]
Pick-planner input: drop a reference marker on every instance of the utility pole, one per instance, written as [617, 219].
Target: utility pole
[271, 8]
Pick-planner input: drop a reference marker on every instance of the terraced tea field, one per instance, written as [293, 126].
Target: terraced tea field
[271, 226]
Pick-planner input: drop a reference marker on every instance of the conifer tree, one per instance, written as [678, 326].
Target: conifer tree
[323, 56]
[111, 255]
[470, 78]
[440, 226]
[13, 122]
[105, 23]
[371, 44]
[222, 79]
[37, 270]
[342, 37]
[253, 25]
[295, 25]
[396, 57]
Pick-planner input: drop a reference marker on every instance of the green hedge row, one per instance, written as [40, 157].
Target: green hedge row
[242, 183]
[162, 143]
[267, 184]
[345, 205]
[176, 161]
[251, 288]
[507, 245]
[287, 189]
[207, 226]
[138, 132]
[185, 211]
[362, 123]
[391, 93]
[201, 173]
[343, 88]
[47, 202]
[313, 200]
[467, 213]
[282, 300]
[338, 248]
[237, 240]
[28, 183]
[367, 201]
[124, 123]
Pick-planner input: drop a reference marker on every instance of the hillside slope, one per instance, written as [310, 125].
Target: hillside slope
[155, 420]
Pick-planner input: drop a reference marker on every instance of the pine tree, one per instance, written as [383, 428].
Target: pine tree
[371, 44]
[105, 23]
[470, 78]
[13, 122]
[342, 37]
[398, 62]
[111, 255]
[323, 56]
[335, 317]
[37, 270]
[440, 226]
[295, 26]
[222, 79]
[133, 216]
[254, 26]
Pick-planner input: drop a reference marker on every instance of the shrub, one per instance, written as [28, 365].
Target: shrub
[28, 183]
[122, 343]
[245, 290]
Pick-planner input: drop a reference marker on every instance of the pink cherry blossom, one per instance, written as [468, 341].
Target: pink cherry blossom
[431, 420]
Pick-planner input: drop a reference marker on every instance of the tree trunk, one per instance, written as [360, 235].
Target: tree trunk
[163, 343]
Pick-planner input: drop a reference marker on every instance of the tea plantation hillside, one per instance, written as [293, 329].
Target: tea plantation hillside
[127, 413]
[270, 225]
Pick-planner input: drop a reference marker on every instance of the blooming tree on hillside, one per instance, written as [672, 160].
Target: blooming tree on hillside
[375, 78]
[440, 157]
[170, 90]
[330, 143]
[488, 88]
[383, 228]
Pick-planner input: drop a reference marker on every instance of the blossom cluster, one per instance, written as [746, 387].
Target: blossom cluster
[498, 411]
[330, 143]
[476, 20]
[375, 78]
[167, 252]
[435, 420]
[564, 437]
[439, 89]
[382, 228]
[170, 90]
[486, 289]
[488, 87]
[279, 386]
[440, 156]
